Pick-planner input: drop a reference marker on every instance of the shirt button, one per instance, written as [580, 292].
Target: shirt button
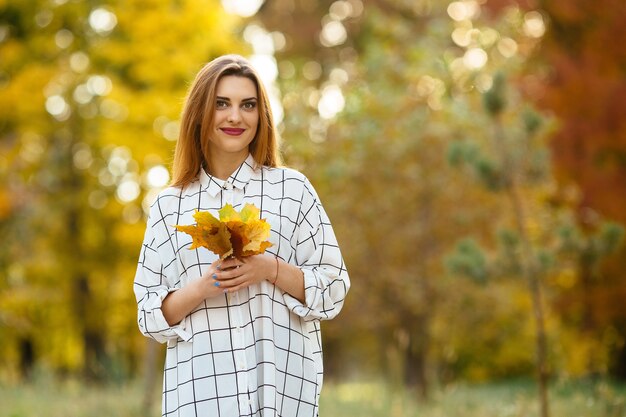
[242, 366]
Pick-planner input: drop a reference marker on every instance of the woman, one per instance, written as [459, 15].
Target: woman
[243, 335]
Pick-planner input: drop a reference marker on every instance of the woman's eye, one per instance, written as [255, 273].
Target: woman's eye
[221, 104]
[249, 106]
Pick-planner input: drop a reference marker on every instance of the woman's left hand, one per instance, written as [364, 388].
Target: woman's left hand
[234, 274]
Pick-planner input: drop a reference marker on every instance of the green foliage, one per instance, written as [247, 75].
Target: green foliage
[494, 99]
[591, 247]
[545, 260]
[468, 259]
[610, 237]
[490, 174]
[507, 262]
[570, 238]
[462, 151]
[532, 121]
[538, 169]
[508, 239]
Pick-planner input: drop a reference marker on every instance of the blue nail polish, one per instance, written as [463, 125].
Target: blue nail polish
[214, 276]
[216, 283]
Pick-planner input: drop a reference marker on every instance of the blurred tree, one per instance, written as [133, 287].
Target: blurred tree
[581, 79]
[515, 173]
[381, 106]
[89, 97]
[511, 168]
[409, 81]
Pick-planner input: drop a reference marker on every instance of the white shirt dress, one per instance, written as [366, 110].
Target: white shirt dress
[257, 351]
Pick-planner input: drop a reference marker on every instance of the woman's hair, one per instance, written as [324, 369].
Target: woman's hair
[192, 149]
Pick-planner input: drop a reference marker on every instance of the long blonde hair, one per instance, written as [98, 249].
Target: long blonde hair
[192, 149]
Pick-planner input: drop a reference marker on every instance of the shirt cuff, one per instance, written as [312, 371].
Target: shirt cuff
[169, 332]
[312, 296]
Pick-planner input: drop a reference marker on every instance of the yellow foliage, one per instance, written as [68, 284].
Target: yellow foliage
[86, 255]
[566, 278]
[579, 354]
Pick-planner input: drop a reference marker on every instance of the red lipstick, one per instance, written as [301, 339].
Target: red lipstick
[232, 131]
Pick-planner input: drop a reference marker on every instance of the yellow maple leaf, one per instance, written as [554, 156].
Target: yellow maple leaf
[237, 234]
[257, 232]
[205, 218]
[196, 235]
[249, 212]
[229, 214]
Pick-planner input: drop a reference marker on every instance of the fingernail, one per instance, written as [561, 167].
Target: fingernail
[219, 267]
[214, 276]
[225, 290]
[217, 284]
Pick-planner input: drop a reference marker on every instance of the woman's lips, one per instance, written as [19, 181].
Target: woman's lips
[232, 131]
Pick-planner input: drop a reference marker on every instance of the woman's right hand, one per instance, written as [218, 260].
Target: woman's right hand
[207, 284]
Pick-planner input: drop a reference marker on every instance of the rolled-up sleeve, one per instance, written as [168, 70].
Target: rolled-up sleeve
[153, 282]
[326, 280]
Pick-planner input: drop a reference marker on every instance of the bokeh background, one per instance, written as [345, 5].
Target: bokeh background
[471, 155]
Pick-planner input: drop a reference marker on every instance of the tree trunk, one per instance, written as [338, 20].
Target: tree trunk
[529, 265]
[415, 358]
[150, 376]
[27, 358]
[85, 308]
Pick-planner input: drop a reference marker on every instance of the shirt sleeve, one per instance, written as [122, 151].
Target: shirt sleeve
[326, 280]
[154, 280]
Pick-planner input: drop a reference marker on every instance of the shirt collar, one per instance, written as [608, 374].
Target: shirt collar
[238, 179]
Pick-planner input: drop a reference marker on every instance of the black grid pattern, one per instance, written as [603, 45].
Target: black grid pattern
[255, 352]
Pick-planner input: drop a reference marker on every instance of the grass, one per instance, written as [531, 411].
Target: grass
[73, 399]
[505, 399]
[363, 399]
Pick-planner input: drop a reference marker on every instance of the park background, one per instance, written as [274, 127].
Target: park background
[471, 156]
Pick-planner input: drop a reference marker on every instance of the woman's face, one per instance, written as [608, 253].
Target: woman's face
[236, 116]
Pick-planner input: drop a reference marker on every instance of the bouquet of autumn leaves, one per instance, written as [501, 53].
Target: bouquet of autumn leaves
[234, 234]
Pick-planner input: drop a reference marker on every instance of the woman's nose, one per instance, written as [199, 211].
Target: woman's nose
[234, 115]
